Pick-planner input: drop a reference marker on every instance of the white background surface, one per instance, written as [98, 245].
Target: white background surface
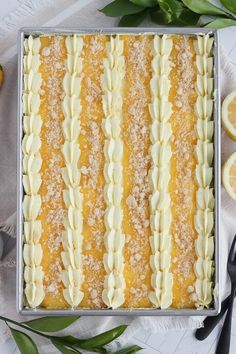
[172, 342]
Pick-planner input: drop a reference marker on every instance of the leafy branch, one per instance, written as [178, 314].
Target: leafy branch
[64, 344]
[173, 12]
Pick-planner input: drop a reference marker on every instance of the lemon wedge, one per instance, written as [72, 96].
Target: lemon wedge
[229, 114]
[229, 176]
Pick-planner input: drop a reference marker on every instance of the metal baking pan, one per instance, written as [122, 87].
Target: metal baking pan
[214, 310]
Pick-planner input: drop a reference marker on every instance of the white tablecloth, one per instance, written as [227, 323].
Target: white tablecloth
[78, 14]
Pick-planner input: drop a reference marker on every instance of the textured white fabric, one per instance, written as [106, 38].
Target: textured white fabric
[78, 14]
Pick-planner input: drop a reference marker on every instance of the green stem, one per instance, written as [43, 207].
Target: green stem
[54, 338]
[5, 319]
[19, 324]
[230, 15]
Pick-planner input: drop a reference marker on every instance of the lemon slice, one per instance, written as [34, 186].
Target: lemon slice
[229, 175]
[229, 114]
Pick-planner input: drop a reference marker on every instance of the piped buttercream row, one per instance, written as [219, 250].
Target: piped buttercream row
[111, 82]
[72, 237]
[204, 217]
[160, 214]
[32, 122]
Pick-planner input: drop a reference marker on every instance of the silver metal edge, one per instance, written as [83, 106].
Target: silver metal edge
[217, 168]
[119, 312]
[19, 270]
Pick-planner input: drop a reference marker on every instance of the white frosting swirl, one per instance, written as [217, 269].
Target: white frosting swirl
[32, 122]
[160, 111]
[204, 217]
[72, 239]
[111, 81]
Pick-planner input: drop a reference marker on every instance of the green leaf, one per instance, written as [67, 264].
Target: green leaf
[94, 344]
[166, 12]
[230, 5]
[63, 349]
[51, 324]
[158, 17]
[121, 8]
[101, 339]
[133, 20]
[129, 350]
[25, 344]
[187, 18]
[204, 7]
[70, 341]
[171, 10]
[76, 343]
[99, 350]
[221, 23]
[174, 6]
[145, 3]
[175, 13]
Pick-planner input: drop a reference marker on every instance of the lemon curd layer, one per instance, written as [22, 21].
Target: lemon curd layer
[53, 211]
[117, 162]
[183, 164]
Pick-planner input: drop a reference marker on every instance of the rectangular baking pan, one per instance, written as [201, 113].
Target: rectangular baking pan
[24, 33]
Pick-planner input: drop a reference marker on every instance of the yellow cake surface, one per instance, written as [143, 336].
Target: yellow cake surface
[117, 171]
